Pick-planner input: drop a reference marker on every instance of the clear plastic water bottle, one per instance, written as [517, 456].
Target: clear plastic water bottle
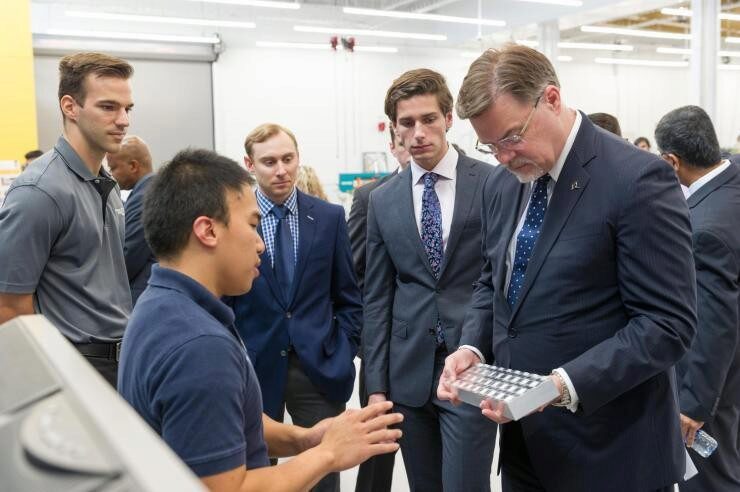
[704, 444]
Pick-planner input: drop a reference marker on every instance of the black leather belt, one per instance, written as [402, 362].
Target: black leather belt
[110, 351]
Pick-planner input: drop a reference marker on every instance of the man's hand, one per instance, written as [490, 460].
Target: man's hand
[356, 435]
[689, 427]
[376, 398]
[313, 435]
[455, 363]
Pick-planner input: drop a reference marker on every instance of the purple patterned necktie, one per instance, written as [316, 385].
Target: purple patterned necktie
[431, 234]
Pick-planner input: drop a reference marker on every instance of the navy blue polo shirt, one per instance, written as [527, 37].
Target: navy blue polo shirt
[185, 371]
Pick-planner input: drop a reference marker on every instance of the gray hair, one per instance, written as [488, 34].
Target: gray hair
[688, 133]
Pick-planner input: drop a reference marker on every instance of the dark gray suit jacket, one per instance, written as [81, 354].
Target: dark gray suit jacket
[608, 295]
[710, 372]
[139, 257]
[357, 225]
[402, 297]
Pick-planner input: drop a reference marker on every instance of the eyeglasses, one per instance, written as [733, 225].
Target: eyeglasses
[509, 142]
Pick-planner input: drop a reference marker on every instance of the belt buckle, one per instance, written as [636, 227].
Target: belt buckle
[118, 351]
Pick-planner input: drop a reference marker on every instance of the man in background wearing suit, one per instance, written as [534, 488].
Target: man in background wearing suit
[588, 276]
[423, 240]
[357, 221]
[301, 322]
[376, 474]
[709, 374]
[132, 168]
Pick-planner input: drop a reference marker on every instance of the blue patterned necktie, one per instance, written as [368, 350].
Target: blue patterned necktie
[431, 234]
[282, 252]
[527, 237]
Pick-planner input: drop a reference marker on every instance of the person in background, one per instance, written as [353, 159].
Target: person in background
[423, 255]
[709, 374]
[30, 157]
[308, 182]
[376, 474]
[184, 368]
[301, 321]
[607, 122]
[131, 167]
[643, 143]
[582, 235]
[62, 223]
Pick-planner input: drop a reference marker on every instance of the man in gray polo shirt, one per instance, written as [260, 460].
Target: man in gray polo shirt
[62, 223]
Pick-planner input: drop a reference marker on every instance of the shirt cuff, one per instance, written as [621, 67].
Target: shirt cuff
[475, 351]
[573, 406]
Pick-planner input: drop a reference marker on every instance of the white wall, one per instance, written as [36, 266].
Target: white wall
[333, 101]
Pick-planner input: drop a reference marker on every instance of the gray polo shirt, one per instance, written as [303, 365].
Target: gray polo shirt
[61, 238]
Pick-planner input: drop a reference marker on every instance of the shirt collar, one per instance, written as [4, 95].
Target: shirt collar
[445, 168]
[74, 163]
[558, 167]
[191, 288]
[708, 177]
[265, 204]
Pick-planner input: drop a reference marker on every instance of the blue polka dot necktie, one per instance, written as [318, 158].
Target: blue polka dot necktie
[527, 237]
[283, 253]
[431, 234]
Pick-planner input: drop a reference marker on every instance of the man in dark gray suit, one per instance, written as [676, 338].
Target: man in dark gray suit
[376, 474]
[709, 375]
[423, 255]
[588, 277]
[131, 167]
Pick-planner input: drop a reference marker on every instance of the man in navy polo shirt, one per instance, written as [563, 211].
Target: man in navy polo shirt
[184, 367]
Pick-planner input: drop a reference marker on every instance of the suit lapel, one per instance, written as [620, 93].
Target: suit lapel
[465, 191]
[407, 217]
[513, 208]
[571, 183]
[267, 272]
[712, 185]
[307, 231]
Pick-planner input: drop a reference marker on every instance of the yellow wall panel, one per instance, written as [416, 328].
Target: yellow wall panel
[17, 94]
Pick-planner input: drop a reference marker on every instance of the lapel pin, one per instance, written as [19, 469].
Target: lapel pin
[309, 217]
[574, 186]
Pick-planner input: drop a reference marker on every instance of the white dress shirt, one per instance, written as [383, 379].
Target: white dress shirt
[445, 188]
[554, 174]
[707, 178]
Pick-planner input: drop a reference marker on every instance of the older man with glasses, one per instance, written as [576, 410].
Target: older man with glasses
[588, 277]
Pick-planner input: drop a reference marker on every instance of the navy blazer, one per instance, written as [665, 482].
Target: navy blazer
[321, 318]
[609, 295]
[139, 257]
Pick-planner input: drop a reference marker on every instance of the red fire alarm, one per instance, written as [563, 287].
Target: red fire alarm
[381, 126]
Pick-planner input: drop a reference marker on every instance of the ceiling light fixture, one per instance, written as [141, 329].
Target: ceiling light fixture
[256, 3]
[167, 38]
[733, 40]
[684, 12]
[371, 33]
[635, 32]
[565, 58]
[641, 63]
[687, 51]
[425, 17]
[567, 3]
[160, 19]
[729, 67]
[596, 46]
[581, 46]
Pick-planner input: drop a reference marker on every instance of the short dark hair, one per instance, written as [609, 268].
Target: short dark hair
[640, 140]
[688, 133]
[33, 154]
[73, 69]
[193, 184]
[606, 121]
[417, 83]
